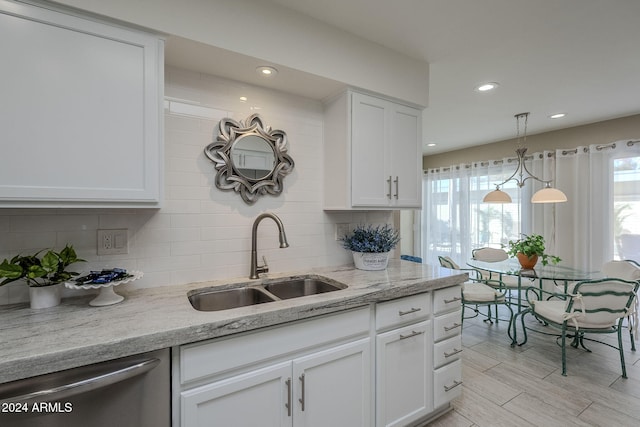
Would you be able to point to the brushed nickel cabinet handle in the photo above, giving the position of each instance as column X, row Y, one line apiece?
column 451, row 387
column 455, row 325
column 301, row 400
column 288, row 404
column 396, row 182
column 389, row 193
column 449, row 301
column 453, row 353
column 412, row 310
column 412, row 334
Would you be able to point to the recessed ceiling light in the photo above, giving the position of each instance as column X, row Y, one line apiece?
column 557, row 116
column 243, row 98
column 267, row 71
column 431, row 144
column 487, row 86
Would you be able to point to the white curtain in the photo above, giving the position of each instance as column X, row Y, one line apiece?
column 585, row 222
column 455, row 221
column 580, row 231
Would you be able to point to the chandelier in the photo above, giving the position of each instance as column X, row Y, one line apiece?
column 546, row 195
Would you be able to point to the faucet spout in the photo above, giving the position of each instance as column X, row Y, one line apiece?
column 255, row 268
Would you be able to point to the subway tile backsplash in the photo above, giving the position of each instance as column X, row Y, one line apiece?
column 202, row 233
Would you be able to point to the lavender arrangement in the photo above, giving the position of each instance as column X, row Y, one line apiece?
column 371, row 239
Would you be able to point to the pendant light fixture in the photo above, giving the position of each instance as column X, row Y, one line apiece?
column 546, row 195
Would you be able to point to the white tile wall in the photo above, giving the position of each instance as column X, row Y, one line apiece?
column 202, row 233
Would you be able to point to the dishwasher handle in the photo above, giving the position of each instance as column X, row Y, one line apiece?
column 81, row 383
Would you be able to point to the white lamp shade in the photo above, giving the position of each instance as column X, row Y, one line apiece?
column 497, row 196
column 549, row 195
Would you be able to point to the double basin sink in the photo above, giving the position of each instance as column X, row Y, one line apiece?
column 212, row 299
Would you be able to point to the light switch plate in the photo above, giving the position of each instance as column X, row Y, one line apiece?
column 113, row 242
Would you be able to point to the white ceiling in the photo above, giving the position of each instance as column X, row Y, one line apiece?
column 580, row 57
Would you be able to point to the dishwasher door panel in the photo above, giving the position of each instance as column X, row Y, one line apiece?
column 130, row 392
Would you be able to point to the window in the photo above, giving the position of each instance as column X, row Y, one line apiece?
column 456, row 221
column 626, row 208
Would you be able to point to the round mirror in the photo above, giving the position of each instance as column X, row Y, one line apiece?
column 253, row 157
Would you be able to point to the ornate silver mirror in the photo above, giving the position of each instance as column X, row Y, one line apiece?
column 250, row 158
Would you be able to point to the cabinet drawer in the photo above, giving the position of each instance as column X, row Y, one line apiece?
column 447, row 351
column 447, row 383
column 403, row 310
column 447, row 325
column 447, row 299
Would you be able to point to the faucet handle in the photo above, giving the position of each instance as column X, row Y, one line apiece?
column 265, row 267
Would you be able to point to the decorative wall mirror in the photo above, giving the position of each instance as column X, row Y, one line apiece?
column 251, row 158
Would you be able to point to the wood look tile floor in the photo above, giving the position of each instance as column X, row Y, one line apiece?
column 524, row 386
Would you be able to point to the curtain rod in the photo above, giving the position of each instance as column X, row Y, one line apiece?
column 612, row 145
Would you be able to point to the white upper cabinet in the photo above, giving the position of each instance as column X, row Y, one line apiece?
column 80, row 111
column 373, row 154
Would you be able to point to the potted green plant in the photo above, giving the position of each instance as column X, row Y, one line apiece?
column 42, row 272
column 528, row 249
column 371, row 245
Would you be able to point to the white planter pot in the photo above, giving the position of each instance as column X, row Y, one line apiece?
column 371, row 260
column 44, row 296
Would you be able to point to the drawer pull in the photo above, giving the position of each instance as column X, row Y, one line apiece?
column 449, row 301
column 453, row 353
column 412, row 334
column 455, row 325
column 404, row 313
column 451, row 387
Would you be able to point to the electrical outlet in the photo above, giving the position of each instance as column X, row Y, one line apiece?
column 113, row 242
column 341, row 230
column 107, row 241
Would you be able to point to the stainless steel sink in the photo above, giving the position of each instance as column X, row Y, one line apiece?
column 300, row 287
column 229, row 298
column 252, row 293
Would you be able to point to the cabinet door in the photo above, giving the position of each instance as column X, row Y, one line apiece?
column 406, row 158
column 369, row 130
column 404, row 375
column 80, row 111
column 333, row 387
column 257, row 398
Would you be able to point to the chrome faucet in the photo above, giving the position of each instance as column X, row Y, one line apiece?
column 255, row 268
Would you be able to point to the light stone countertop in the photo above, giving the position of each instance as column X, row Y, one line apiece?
column 35, row 342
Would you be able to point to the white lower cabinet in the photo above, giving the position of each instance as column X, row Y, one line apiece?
column 327, row 388
column 403, row 374
column 276, row 378
column 321, row 372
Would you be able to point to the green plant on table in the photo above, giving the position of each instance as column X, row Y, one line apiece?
column 530, row 245
column 40, row 270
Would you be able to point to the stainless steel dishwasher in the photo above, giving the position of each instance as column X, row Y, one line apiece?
column 130, row 392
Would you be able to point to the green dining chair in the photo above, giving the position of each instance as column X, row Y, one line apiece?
column 594, row 307
column 477, row 293
column 626, row 270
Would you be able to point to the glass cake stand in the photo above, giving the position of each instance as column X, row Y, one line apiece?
column 107, row 295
